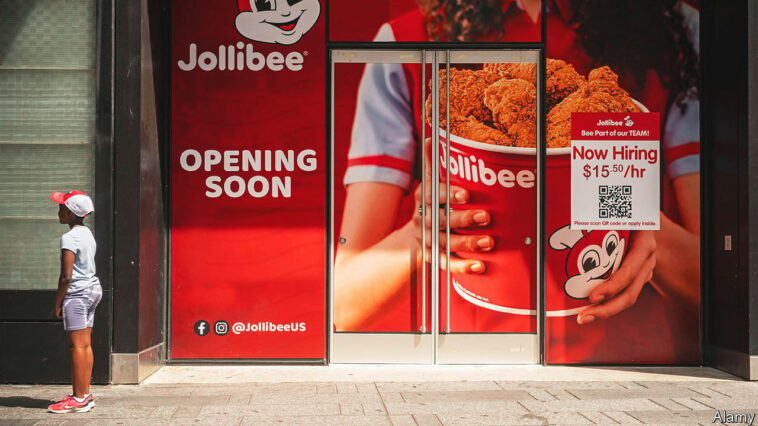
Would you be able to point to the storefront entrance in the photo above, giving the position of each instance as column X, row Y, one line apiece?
column 400, row 293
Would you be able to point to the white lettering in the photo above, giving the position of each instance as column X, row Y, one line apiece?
column 214, row 190
column 240, row 186
column 306, row 160
column 230, row 161
column 207, row 61
column 197, row 161
column 189, row 66
column 212, row 157
column 274, row 61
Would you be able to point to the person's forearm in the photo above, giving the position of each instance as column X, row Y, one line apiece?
column 677, row 271
column 369, row 281
column 63, row 283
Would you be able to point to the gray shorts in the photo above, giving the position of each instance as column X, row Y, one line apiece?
column 79, row 308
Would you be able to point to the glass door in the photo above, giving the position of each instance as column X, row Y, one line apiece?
column 434, row 207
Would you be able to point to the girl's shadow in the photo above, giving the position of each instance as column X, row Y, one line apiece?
column 23, row 402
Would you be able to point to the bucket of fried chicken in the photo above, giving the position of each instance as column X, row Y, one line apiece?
column 493, row 155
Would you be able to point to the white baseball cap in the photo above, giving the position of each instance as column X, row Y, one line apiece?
column 78, row 202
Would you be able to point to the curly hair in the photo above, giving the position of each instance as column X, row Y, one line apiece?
column 462, row 20
column 629, row 35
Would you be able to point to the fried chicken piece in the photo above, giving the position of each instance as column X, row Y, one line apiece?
column 466, row 94
column 525, row 71
column 514, row 110
column 603, row 79
column 470, row 128
column 601, row 94
column 561, row 78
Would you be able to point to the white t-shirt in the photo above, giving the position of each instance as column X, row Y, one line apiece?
column 81, row 242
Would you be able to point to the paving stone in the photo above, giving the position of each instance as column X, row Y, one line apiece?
column 427, row 420
column 271, row 409
column 316, row 420
column 693, row 404
column 624, row 418
column 552, row 418
column 745, row 402
column 374, row 408
column 558, row 385
column 676, row 392
column 592, row 405
column 205, row 420
column 49, row 422
column 240, row 399
column 392, row 397
column 734, row 389
column 157, row 401
column 164, row 412
column 181, row 391
column 565, row 395
column 187, row 412
column 669, row 404
column 351, row 409
column 326, row 389
column 23, row 401
column 346, row 388
column 463, row 396
column 436, row 386
column 541, row 395
column 469, row 407
column 263, row 398
column 366, row 388
column 707, row 392
column 402, row 403
column 274, row 389
column 403, row 420
column 632, row 385
column 598, row 417
column 15, row 390
column 675, row 417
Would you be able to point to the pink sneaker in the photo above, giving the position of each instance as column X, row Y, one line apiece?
column 70, row 405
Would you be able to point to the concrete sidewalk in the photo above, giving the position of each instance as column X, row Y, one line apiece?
column 401, row 395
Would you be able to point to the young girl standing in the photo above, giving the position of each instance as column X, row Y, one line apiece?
column 79, row 292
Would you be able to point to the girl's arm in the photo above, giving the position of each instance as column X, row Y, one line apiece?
column 67, row 267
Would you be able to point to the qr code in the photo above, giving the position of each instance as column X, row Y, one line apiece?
column 615, row 201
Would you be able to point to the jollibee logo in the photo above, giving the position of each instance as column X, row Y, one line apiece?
column 593, row 257
column 276, row 21
column 473, row 169
column 282, row 22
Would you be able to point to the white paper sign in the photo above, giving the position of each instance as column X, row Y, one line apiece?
column 615, row 171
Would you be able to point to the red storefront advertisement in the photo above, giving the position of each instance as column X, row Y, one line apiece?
column 248, row 172
column 249, row 180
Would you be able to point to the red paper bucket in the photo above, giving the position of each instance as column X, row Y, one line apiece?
column 502, row 180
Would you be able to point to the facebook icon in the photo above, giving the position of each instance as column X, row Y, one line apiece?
column 201, row 328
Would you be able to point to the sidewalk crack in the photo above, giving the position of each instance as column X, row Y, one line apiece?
column 718, row 392
column 612, row 419
column 588, row 419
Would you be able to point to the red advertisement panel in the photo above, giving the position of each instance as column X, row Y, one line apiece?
column 597, row 63
column 248, row 173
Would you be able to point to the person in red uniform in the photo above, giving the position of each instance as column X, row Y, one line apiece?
column 653, row 46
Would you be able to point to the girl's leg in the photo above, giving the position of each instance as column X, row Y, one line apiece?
column 81, row 361
column 90, row 360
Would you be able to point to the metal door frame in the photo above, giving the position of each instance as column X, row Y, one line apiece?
column 435, row 347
